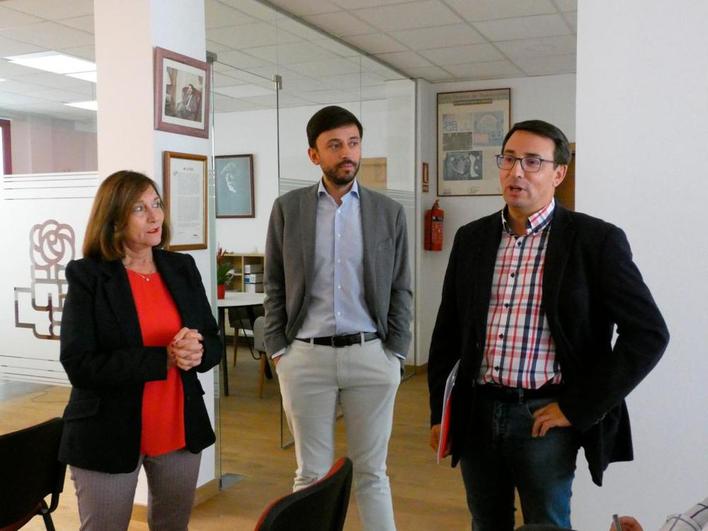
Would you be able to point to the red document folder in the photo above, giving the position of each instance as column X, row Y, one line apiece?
column 444, row 441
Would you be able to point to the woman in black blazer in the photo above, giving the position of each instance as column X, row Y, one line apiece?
column 136, row 329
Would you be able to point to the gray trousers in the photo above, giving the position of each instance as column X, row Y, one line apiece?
column 364, row 379
column 106, row 500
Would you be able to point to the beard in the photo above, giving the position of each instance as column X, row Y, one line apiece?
column 340, row 176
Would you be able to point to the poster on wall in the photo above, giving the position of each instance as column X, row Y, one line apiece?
column 471, row 128
column 234, row 186
column 185, row 186
column 181, row 94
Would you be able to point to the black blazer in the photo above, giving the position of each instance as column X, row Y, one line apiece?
column 590, row 285
column 107, row 364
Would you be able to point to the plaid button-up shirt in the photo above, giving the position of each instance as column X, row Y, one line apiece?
column 519, row 350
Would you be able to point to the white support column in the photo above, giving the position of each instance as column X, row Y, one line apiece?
column 126, row 32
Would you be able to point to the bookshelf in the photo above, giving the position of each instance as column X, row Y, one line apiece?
column 249, row 271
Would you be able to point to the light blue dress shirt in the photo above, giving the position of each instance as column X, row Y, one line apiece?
column 337, row 304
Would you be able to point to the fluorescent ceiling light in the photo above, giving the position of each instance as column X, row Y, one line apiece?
column 88, row 105
column 86, row 76
column 52, row 61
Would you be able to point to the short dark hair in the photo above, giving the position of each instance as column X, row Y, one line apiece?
column 329, row 118
column 561, row 153
column 111, row 209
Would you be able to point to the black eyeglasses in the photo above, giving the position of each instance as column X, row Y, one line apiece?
column 529, row 164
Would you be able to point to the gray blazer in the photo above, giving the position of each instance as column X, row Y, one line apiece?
column 290, row 251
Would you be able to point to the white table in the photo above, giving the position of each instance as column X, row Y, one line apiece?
column 235, row 299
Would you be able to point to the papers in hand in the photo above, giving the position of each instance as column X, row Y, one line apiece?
column 444, row 440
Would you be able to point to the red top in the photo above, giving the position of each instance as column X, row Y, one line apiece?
column 163, row 400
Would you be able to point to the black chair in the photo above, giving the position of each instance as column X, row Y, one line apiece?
column 321, row 506
column 241, row 319
column 30, row 472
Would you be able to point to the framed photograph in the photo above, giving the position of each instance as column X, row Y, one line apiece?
column 234, row 186
column 185, row 196
column 181, row 94
column 471, row 128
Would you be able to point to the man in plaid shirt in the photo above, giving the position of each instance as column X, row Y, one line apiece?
column 531, row 298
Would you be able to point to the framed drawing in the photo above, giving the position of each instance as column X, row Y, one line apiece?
column 181, row 94
column 185, row 196
column 234, row 186
column 471, row 128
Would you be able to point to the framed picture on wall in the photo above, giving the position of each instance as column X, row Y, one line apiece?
column 234, row 186
column 471, row 128
column 181, row 94
column 185, row 196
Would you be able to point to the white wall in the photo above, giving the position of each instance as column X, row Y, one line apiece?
column 551, row 98
column 642, row 105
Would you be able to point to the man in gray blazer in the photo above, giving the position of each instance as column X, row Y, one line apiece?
column 338, row 308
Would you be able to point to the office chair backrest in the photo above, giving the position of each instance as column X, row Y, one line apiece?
column 30, row 472
column 321, row 506
column 259, row 334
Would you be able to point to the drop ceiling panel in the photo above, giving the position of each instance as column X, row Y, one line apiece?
column 303, row 8
column 47, row 79
column 567, row 5
column 358, row 4
column 336, row 47
column 80, row 23
column 563, row 44
column 254, row 9
column 218, row 15
column 251, row 35
column 340, row 23
column 571, row 19
column 293, row 53
column 376, row 43
column 9, row 47
column 495, row 9
column 49, row 35
column 523, row 27
column 409, row 15
column 462, row 54
column 550, row 64
column 492, row 70
column 434, row 74
column 84, row 52
column 325, row 69
column 438, row 37
column 234, row 58
column 11, row 17
column 54, row 10
column 404, row 60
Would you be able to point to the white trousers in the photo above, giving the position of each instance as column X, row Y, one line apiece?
column 365, row 378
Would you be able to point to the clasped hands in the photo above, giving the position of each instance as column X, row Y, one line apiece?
column 185, row 350
column 545, row 418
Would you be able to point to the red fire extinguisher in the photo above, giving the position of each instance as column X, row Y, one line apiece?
column 434, row 219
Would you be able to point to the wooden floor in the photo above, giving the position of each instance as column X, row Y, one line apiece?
column 426, row 496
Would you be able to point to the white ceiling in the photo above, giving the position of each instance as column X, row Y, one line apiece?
column 437, row 40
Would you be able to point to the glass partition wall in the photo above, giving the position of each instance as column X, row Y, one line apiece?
column 271, row 74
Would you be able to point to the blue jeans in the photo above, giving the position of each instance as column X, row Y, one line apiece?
column 502, row 456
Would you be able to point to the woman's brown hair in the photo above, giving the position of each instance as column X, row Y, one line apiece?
column 111, row 209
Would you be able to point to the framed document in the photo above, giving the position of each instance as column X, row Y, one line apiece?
column 234, row 186
column 471, row 129
column 181, row 94
column 185, row 195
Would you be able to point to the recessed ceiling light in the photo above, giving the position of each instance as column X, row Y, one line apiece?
column 88, row 105
column 52, row 61
column 86, row 76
